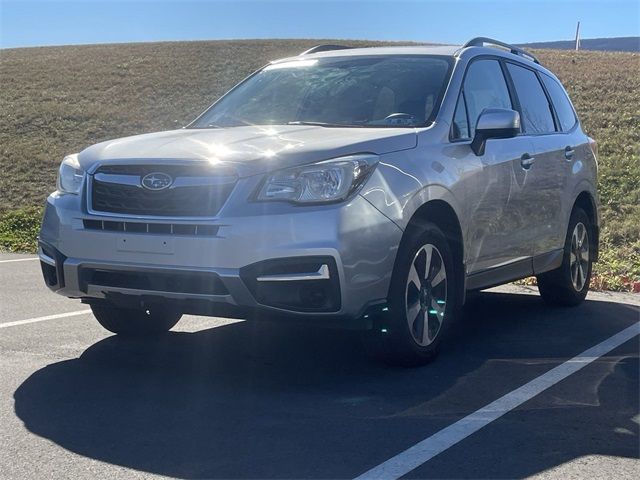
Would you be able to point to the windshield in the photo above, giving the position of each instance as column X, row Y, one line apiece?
column 375, row 91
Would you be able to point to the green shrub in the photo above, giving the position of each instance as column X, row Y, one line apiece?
column 19, row 229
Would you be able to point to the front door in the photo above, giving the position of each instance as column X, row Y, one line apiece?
column 498, row 225
column 493, row 190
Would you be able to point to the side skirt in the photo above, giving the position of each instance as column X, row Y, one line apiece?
column 500, row 275
column 515, row 270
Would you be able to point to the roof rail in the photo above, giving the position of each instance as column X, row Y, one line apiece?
column 325, row 48
column 480, row 42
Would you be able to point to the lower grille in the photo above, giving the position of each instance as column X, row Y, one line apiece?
column 202, row 283
column 195, row 191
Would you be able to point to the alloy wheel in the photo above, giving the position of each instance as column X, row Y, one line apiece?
column 579, row 256
column 426, row 295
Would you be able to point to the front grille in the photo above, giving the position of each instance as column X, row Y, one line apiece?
column 197, row 191
column 157, row 228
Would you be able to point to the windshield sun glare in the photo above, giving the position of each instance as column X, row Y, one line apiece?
column 350, row 91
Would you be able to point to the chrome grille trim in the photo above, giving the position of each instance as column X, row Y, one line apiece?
column 180, row 182
column 130, row 180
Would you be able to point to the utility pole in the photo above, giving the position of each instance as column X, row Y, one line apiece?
column 578, row 37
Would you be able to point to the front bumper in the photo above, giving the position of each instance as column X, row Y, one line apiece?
column 353, row 244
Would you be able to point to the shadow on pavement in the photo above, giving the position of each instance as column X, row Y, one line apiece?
column 266, row 401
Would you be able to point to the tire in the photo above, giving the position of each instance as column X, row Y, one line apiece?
column 568, row 284
column 134, row 322
column 403, row 337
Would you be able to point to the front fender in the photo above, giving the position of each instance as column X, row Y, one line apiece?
column 398, row 194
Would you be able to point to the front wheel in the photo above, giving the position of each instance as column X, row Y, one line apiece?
column 568, row 284
column 131, row 321
column 423, row 300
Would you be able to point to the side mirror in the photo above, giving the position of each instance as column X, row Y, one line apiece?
column 495, row 123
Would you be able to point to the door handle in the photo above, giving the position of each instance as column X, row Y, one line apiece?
column 568, row 153
column 526, row 161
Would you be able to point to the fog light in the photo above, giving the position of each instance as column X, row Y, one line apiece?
column 313, row 296
column 302, row 284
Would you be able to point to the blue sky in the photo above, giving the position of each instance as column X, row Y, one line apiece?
column 50, row 22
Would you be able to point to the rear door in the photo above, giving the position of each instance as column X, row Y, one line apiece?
column 544, row 178
column 570, row 146
column 496, row 235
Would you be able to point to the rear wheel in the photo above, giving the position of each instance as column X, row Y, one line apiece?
column 130, row 321
column 422, row 300
column 568, row 285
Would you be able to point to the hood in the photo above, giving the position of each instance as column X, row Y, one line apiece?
column 251, row 149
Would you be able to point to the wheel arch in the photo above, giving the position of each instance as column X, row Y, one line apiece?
column 442, row 214
column 587, row 202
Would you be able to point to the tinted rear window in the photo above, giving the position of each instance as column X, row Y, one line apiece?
column 563, row 107
column 535, row 109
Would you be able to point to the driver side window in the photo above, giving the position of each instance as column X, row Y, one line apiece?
column 460, row 125
column 484, row 87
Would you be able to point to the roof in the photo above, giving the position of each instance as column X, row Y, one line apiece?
column 447, row 50
column 444, row 50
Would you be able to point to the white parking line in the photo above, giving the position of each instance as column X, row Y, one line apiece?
column 19, row 260
column 428, row 448
column 42, row 319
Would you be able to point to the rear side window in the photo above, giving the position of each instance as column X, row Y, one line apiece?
column 563, row 107
column 484, row 87
column 535, row 109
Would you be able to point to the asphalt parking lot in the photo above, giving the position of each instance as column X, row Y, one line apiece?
column 229, row 399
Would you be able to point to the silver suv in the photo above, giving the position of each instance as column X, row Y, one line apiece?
column 365, row 188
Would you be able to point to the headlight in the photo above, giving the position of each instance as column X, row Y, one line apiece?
column 329, row 181
column 70, row 175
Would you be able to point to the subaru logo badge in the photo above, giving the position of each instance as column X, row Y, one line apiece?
column 156, row 181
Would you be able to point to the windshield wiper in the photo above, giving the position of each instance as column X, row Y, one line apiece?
column 204, row 127
column 322, row 124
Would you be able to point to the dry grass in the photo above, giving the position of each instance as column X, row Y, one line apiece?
column 57, row 100
column 605, row 89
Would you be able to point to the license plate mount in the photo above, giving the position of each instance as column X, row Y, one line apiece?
column 144, row 244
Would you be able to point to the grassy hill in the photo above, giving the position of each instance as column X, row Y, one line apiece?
column 59, row 100
column 615, row 44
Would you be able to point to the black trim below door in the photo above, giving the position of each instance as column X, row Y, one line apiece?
column 500, row 275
